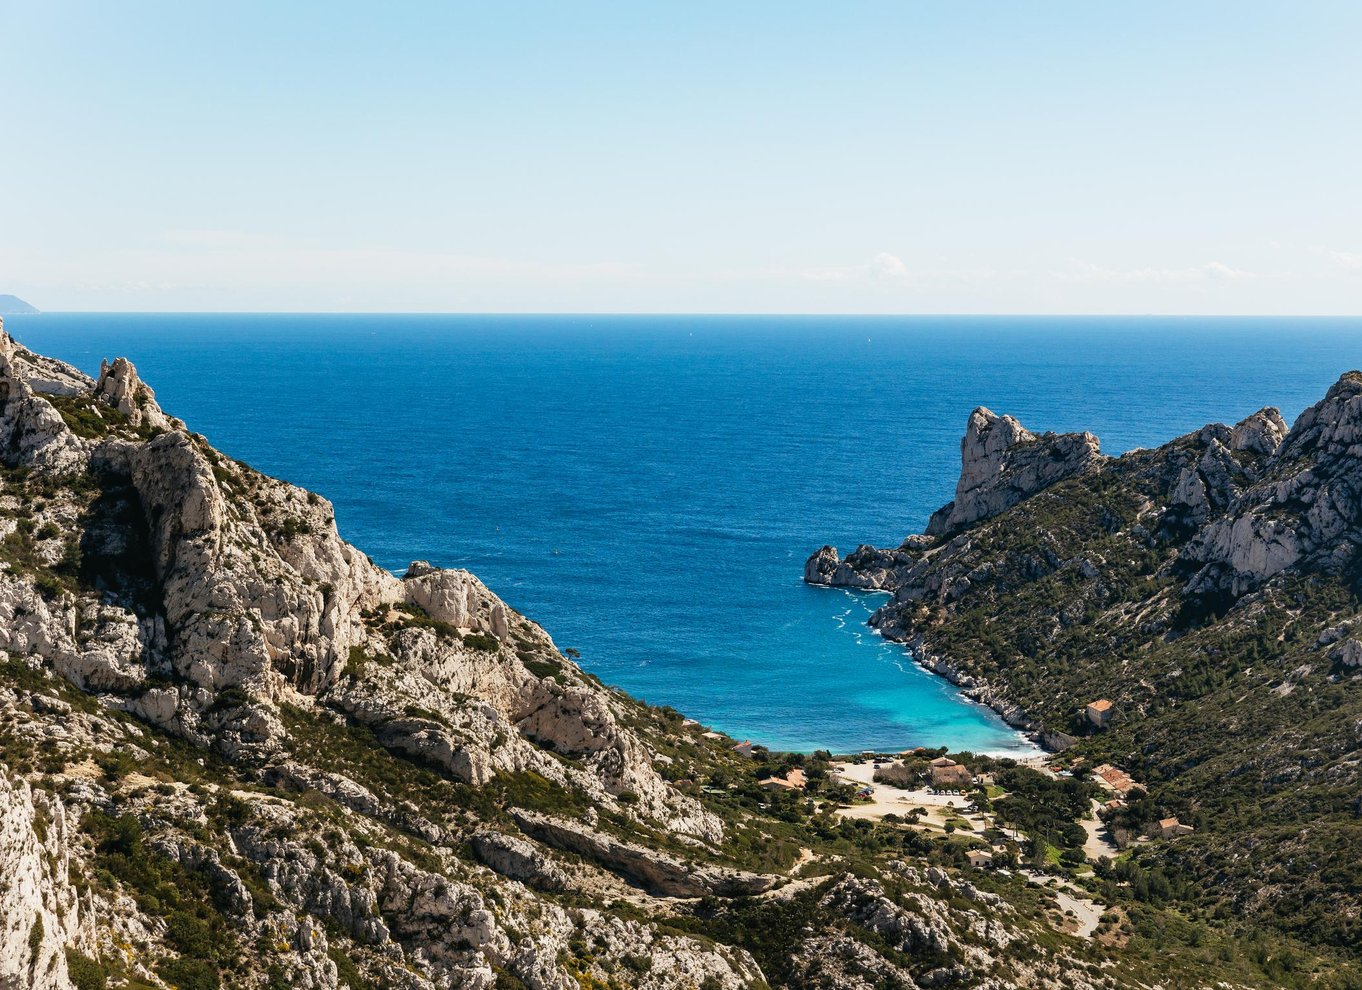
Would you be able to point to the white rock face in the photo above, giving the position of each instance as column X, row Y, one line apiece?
column 456, row 597
column 1307, row 507
column 40, row 913
column 1348, row 653
column 1261, row 433
column 1002, row 463
column 32, row 427
column 121, row 388
column 43, row 374
column 658, row 872
column 1233, row 460
column 1250, row 548
column 518, row 859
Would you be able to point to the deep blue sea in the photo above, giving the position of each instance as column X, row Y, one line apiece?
column 649, row 487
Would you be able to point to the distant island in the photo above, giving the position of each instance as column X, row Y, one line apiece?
column 14, row 306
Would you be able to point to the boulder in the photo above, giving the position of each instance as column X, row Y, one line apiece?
column 518, row 859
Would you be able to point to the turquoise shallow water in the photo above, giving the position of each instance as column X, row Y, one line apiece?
column 649, row 487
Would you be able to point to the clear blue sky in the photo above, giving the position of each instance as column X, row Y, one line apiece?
column 1178, row 157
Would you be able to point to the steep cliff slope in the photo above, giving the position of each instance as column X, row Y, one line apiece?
column 1208, row 589
column 235, row 752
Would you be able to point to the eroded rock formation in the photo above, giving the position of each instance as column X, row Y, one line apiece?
column 1002, row 463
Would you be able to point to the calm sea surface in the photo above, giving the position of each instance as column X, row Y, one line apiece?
column 649, row 487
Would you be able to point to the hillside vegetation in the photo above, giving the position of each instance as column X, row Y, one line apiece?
column 1209, row 589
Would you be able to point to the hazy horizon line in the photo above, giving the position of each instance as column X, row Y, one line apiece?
column 773, row 314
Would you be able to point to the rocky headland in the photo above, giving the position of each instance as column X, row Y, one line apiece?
column 1206, row 595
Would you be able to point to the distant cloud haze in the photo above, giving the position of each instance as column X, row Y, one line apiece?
column 883, row 266
column 1211, row 271
column 886, row 265
column 1347, row 260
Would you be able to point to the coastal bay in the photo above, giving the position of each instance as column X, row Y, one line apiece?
column 649, row 488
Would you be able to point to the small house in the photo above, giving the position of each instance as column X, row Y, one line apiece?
column 792, row 781
column 979, row 858
column 1099, row 713
column 1167, row 828
column 744, row 748
column 1116, row 780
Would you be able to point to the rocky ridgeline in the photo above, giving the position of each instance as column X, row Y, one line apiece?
column 1244, row 503
column 236, row 752
column 236, row 589
column 1238, row 505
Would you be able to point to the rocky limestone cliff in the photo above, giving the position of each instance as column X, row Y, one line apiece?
column 40, row 911
column 246, row 587
column 1303, row 510
column 1233, row 499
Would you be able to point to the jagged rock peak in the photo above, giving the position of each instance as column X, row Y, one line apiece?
column 1261, row 433
column 1002, row 463
column 120, row 386
column 1331, row 426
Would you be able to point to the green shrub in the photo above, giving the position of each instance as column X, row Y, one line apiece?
column 356, row 663
column 543, row 669
column 189, row 974
column 484, row 642
column 85, row 973
column 347, row 973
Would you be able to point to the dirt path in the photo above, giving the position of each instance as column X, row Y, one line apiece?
column 1087, row 914
column 1098, row 843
